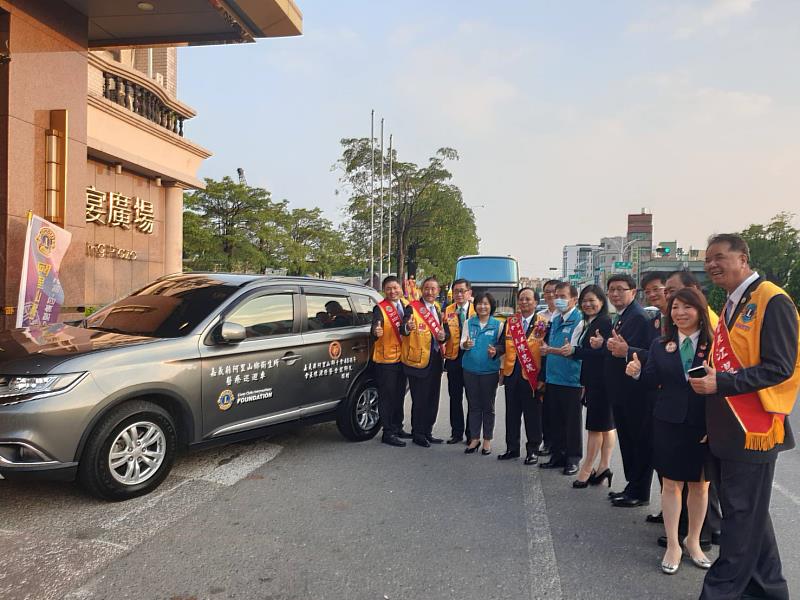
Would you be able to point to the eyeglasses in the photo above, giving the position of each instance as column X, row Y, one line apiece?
column 618, row 290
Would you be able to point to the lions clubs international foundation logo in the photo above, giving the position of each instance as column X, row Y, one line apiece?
column 225, row 400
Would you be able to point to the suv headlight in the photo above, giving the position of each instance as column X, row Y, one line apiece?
column 12, row 386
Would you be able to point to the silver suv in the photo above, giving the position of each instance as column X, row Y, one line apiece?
column 188, row 360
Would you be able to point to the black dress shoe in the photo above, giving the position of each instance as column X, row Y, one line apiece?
column 393, row 440
column 705, row 545
column 455, row 440
column 421, row 441
column 628, row 502
column 543, row 451
column 508, row 455
column 552, row 464
column 531, row 459
column 434, row 440
column 659, row 518
column 615, row 495
column 404, row 435
column 570, row 469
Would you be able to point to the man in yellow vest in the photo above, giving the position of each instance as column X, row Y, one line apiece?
column 521, row 402
column 454, row 316
column 424, row 335
column 387, row 319
column 750, row 391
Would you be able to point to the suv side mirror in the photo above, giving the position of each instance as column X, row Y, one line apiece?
column 231, row 333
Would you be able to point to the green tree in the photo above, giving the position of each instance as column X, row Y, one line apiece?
column 775, row 252
column 429, row 221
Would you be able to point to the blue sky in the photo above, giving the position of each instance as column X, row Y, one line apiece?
column 566, row 115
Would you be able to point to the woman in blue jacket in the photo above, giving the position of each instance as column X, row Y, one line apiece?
column 481, row 342
column 679, row 422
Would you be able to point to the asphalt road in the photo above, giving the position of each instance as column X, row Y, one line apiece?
column 308, row 515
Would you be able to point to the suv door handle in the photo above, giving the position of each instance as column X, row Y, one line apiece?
column 359, row 347
column 291, row 357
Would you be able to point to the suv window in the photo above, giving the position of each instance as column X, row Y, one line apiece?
column 364, row 306
column 265, row 315
column 328, row 312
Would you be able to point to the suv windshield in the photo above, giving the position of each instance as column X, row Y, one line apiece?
column 163, row 309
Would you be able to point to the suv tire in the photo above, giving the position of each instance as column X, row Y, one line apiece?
column 357, row 416
column 129, row 452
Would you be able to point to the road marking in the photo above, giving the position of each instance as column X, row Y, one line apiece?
column 545, row 581
column 792, row 497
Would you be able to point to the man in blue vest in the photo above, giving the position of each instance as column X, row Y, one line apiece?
column 564, row 385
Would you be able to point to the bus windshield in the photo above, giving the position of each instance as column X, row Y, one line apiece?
column 494, row 269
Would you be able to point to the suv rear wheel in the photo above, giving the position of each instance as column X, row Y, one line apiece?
column 358, row 418
column 130, row 451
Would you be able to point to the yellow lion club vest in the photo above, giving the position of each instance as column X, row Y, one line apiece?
column 387, row 348
column 510, row 356
column 416, row 351
column 451, row 346
column 745, row 336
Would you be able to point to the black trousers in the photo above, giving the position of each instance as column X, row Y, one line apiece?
column 547, row 416
column 425, row 393
column 749, row 562
column 566, row 436
column 521, row 404
column 455, row 389
column 481, row 392
column 634, row 419
column 392, row 390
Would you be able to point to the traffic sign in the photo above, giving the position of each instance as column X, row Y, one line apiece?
column 622, row 265
column 575, row 277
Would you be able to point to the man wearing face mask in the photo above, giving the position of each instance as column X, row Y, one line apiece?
column 564, row 385
column 424, row 335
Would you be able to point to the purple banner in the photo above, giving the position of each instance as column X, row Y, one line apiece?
column 40, row 292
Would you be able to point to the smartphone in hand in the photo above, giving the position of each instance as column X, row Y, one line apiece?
column 697, row 372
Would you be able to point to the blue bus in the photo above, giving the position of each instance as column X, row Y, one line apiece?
column 498, row 275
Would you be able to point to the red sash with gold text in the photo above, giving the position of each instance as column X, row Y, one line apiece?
column 430, row 321
column 517, row 332
column 762, row 429
column 394, row 318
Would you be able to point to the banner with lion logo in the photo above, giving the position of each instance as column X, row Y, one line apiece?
column 40, row 292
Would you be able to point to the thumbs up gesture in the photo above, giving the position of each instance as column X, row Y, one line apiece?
column 378, row 330
column 597, row 340
column 566, row 349
column 633, row 368
column 617, row 345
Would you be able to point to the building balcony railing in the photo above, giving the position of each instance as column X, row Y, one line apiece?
column 139, row 99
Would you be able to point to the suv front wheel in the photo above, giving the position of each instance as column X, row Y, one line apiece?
column 358, row 418
column 130, row 451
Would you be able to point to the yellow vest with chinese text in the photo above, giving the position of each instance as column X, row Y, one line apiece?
column 452, row 345
column 387, row 348
column 510, row 356
column 745, row 336
column 416, row 351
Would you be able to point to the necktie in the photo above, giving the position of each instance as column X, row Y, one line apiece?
column 687, row 354
column 615, row 318
column 525, row 324
column 461, row 316
column 729, row 310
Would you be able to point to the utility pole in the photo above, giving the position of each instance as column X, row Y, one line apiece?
column 372, row 200
column 381, row 227
column 389, row 270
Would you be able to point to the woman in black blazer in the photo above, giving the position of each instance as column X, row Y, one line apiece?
column 601, row 435
column 679, row 426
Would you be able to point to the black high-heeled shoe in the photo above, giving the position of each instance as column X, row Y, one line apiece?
column 471, row 450
column 486, row 451
column 598, row 479
column 579, row 485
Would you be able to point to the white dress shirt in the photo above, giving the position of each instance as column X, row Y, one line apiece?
column 736, row 295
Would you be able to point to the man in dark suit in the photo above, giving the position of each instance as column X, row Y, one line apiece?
column 455, row 316
column 755, row 362
column 631, row 404
column 422, row 362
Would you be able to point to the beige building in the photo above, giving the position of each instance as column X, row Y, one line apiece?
column 95, row 137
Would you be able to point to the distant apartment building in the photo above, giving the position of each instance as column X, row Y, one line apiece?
column 640, row 238
column 579, row 263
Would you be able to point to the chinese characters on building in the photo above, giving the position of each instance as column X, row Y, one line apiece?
column 115, row 210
